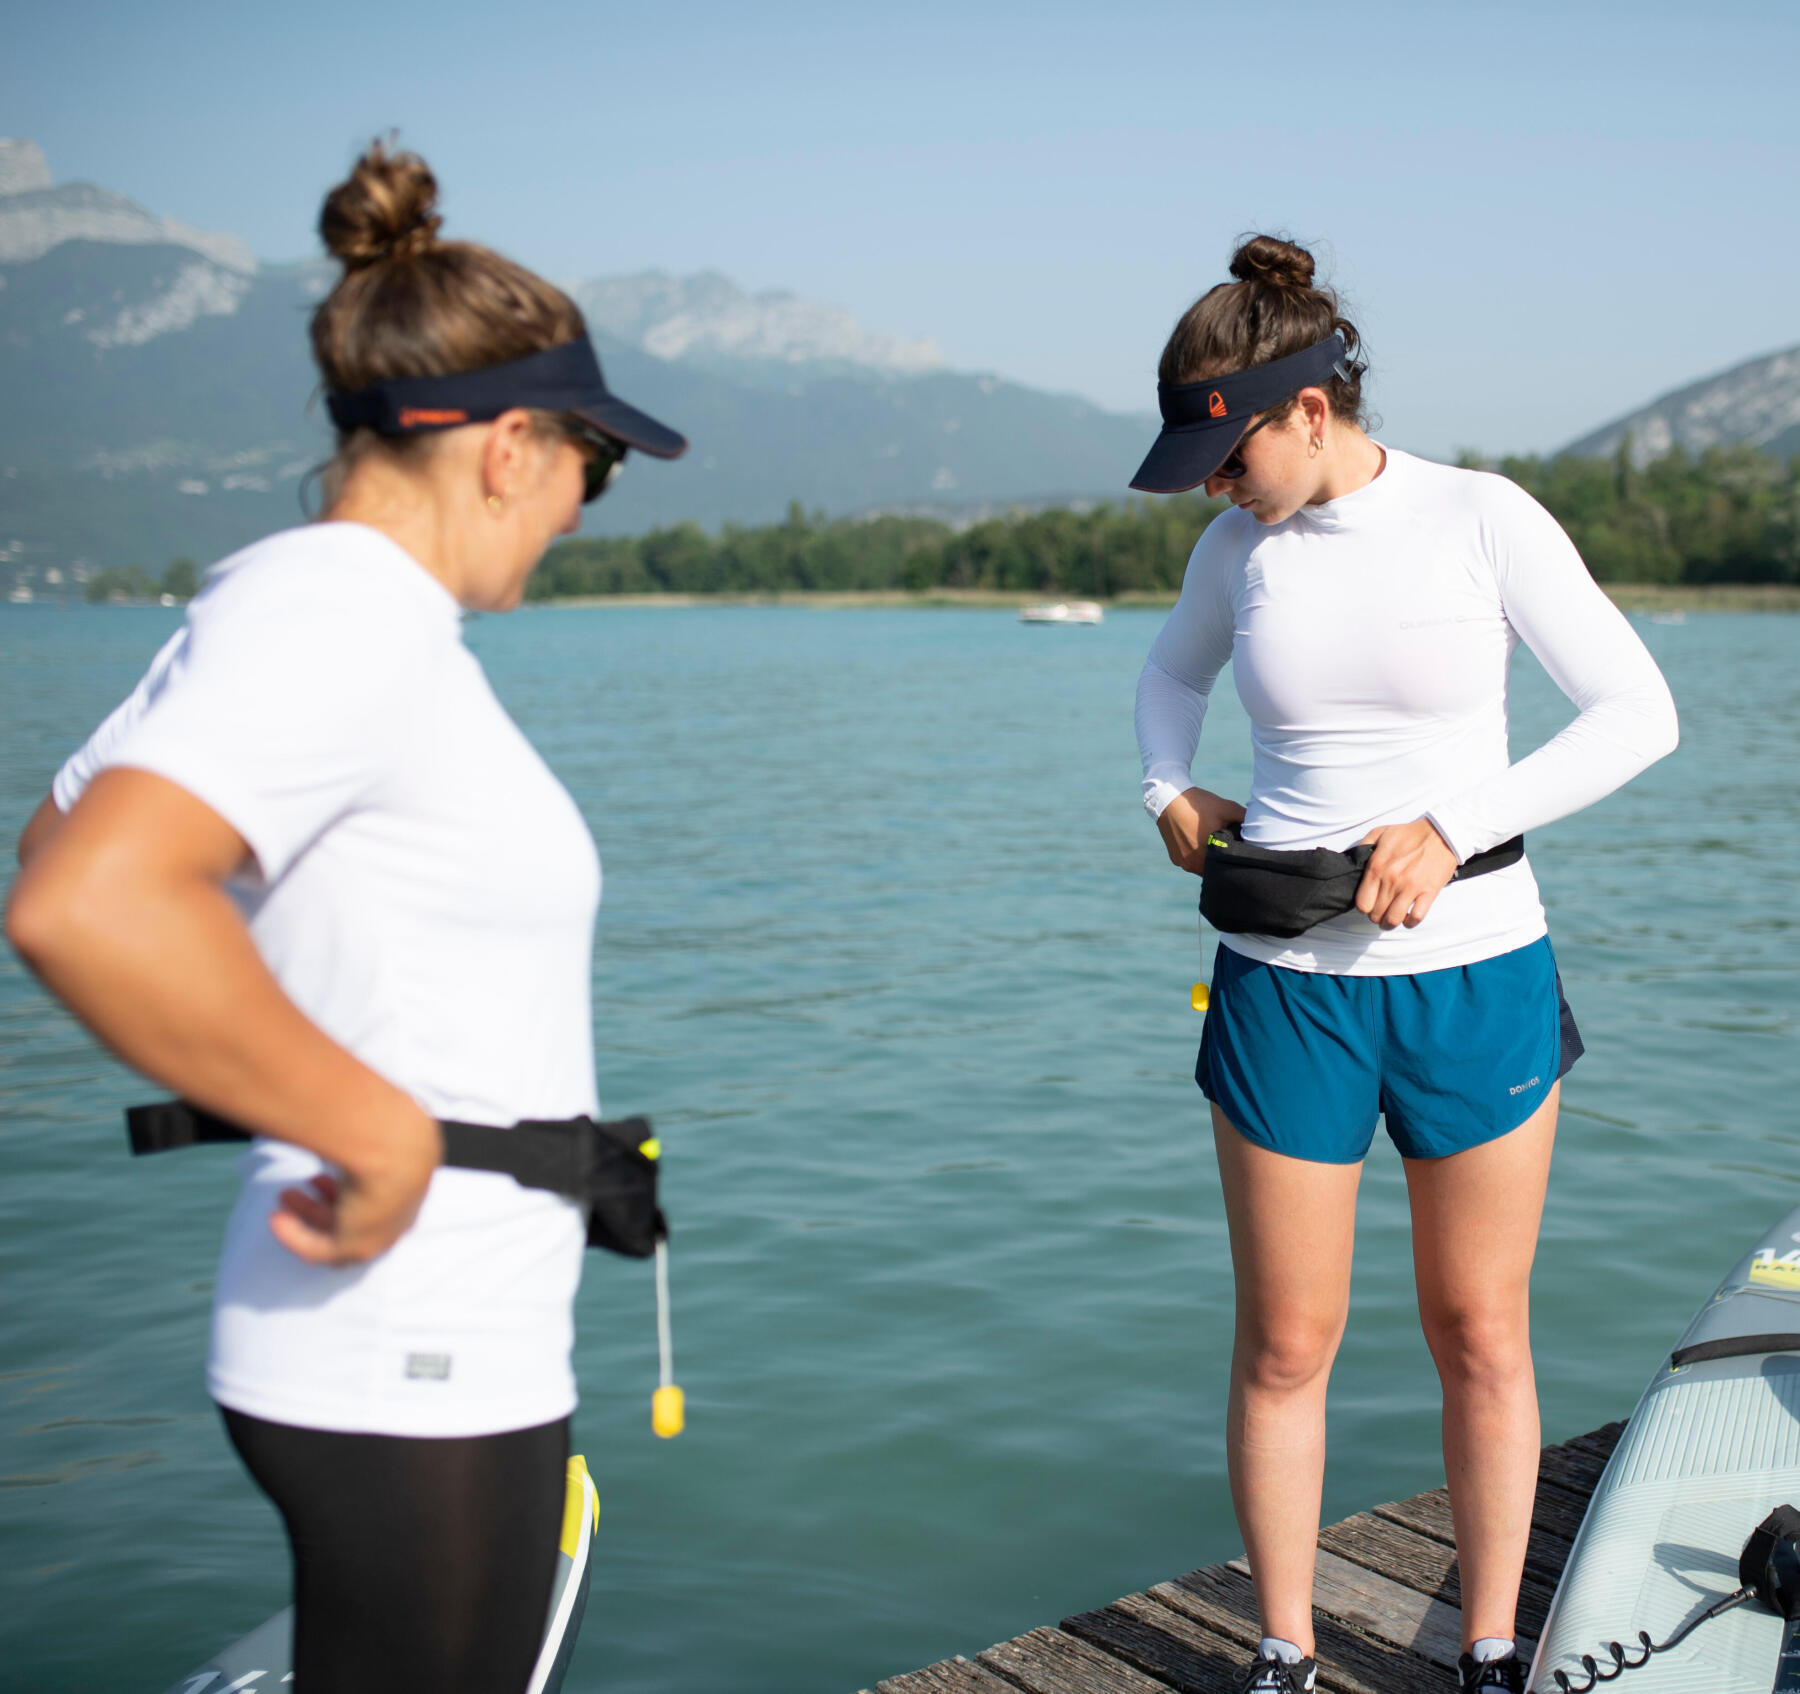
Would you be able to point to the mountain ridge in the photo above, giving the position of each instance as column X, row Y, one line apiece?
column 1753, row 404
column 175, row 404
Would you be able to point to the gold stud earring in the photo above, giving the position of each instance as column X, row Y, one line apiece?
column 494, row 502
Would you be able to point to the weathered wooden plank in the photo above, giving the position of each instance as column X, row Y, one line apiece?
column 947, row 1676
column 1174, row 1649
column 1387, row 1597
column 1555, row 1516
column 1381, row 1607
column 1349, row 1662
column 1046, row 1661
column 1422, row 1562
column 1572, row 1467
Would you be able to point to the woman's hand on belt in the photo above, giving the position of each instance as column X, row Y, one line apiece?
column 1409, row 868
column 351, row 1216
column 1188, row 819
column 122, row 913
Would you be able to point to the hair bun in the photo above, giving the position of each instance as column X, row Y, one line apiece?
column 384, row 209
column 1269, row 259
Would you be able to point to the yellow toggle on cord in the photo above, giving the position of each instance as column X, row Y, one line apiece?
column 668, row 1407
column 1199, row 999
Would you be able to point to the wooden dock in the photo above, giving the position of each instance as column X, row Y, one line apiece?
column 1387, row 1608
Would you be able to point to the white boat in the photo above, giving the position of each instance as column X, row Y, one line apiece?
column 1063, row 611
column 1712, row 1448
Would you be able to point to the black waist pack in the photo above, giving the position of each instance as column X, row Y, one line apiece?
column 1251, row 890
column 609, row 1167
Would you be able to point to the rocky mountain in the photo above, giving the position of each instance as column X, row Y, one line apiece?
column 1754, row 404
column 163, row 402
column 708, row 321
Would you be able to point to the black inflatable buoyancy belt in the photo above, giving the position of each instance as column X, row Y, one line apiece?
column 1250, row 890
column 610, row 1167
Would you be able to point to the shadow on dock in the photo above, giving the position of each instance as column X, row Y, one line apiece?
column 1386, row 1598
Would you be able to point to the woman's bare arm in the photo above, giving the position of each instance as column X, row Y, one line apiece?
column 42, row 826
column 121, row 911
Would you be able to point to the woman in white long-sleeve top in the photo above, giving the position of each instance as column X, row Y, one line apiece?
column 1369, row 603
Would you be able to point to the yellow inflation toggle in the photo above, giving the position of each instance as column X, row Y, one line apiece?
column 1199, row 999
column 668, row 1411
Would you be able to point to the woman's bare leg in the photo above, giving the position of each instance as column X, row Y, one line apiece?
column 1475, row 1219
column 1293, row 1227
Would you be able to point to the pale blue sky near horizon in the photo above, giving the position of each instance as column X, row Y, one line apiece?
column 1541, row 215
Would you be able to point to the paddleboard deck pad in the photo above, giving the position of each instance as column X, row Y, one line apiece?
column 1712, row 1448
column 262, row 1661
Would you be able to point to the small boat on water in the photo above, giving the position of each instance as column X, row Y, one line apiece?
column 1712, row 1449
column 1063, row 611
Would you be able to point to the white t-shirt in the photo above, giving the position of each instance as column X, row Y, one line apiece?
column 1370, row 639
column 425, row 892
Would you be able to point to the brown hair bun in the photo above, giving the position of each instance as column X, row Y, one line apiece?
column 1269, row 259
column 1271, row 310
column 409, row 304
column 385, row 208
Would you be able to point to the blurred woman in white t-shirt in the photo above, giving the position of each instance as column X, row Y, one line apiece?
column 312, row 877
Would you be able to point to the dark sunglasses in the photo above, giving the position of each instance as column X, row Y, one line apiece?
column 1233, row 466
column 602, row 457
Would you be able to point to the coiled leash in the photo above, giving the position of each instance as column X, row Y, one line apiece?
column 609, row 1167
column 1768, row 1567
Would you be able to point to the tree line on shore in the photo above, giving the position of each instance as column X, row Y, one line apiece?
column 1729, row 515
column 181, row 581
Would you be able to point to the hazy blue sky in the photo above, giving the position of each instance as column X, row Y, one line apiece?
column 1542, row 214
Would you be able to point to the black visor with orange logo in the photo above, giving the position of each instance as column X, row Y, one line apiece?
column 1203, row 421
column 559, row 379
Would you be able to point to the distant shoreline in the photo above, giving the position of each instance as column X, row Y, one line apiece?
column 1629, row 597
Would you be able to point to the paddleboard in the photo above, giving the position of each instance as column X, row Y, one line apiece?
column 263, row 1660
column 1712, row 1448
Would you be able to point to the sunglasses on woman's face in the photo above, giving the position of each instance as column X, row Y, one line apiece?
column 1233, row 466
column 602, row 458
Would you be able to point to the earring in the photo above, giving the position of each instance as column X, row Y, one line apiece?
column 494, row 503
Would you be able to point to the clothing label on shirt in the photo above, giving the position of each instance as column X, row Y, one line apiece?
column 428, row 1367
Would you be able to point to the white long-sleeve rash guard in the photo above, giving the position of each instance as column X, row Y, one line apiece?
column 1370, row 639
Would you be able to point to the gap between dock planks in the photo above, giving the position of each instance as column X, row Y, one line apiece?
column 1386, row 1598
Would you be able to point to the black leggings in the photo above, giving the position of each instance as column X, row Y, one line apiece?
column 418, row 1563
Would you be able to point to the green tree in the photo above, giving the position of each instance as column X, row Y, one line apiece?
column 131, row 583
column 181, row 579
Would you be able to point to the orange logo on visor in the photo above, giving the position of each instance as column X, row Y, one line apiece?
column 416, row 417
column 1215, row 403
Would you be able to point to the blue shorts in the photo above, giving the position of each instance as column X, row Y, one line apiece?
column 1302, row 1062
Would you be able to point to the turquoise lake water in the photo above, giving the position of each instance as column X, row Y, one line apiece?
column 893, row 957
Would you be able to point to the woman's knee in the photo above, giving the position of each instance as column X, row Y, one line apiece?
column 1483, row 1345
column 1286, row 1358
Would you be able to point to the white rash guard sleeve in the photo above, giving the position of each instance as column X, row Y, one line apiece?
column 1185, row 660
column 284, row 718
column 84, row 764
column 1626, row 718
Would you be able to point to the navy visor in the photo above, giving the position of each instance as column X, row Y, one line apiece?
column 1203, row 421
column 559, row 379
